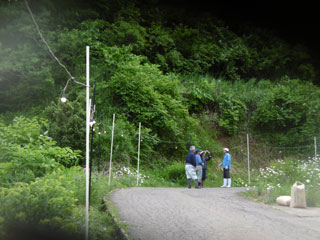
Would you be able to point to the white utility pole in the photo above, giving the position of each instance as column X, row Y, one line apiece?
column 139, row 153
column 248, row 153
column 315, row 148
column 114, row 115
column 87, row 139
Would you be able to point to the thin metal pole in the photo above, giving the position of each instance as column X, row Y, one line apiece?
column 92, row 107
column 99, row 148
column 248, row 153
column 114, row 115
column 139, row 153
column 87, row 140
column 315, row 148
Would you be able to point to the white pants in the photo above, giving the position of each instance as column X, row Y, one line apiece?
column 191, row 172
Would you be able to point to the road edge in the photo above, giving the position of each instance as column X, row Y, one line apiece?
column 111, row 209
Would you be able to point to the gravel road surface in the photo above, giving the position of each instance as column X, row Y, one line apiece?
column 210, row 213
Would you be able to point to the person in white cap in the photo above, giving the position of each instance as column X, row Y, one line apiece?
column 226, row 165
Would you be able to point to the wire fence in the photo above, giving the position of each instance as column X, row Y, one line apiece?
column 261, row 154
column 250, row 151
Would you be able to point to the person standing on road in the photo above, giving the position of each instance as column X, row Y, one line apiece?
column 199, row 164
column 226, row 165
column 191, row 167
column 204, row 168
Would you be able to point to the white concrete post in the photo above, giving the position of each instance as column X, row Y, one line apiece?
column 111, row 148
column 87, row 140
column 139, row 153
column 248, row 153
column 315, row 148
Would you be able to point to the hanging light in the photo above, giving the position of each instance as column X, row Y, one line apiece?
column 63, row 97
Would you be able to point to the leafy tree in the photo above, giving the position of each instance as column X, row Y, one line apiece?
column 287, row 115
column 146, row 95
column 27, row 151
column 67, row 124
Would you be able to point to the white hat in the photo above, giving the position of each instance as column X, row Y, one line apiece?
column 226, row 149
column 192, row 148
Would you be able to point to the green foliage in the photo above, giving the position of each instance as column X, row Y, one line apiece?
column 23, row 68
column 27, row 152
column 273, row 58
column 126, row 41
column 175, row 172
column 44, row 202
column 198, row 93
column 146, row 95
column 288, row 112
column 73, row 179
column 187, row 80
column 55, row 204
column 232, row 114
column 277, row 179
column 67, row 124
column 214, row 97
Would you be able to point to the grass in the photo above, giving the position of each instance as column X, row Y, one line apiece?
column 277, row 180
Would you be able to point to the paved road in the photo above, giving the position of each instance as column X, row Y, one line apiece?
column 210, row 213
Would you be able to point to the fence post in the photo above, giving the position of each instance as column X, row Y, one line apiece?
column 114, row 115
column 138, row 153
column 315, row 148
column 248, row 153
column 88, row 104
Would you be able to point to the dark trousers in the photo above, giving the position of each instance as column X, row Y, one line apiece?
column 226, row 173
column 204, row 174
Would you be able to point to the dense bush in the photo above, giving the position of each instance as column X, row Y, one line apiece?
column 54, row 204
column 43, row 202
column 282, row 113
column 142, row 93
column 175, row 172
column 66, row 124
column 27, row 152
column 287, row 114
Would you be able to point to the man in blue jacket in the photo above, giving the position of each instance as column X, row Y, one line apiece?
column 191, row 167
column 199, row 165
column 226, row 165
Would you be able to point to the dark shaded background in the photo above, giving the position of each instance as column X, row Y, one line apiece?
column 294, row 21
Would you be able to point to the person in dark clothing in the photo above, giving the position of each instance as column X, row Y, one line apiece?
column 191, row 167
column 204, row 168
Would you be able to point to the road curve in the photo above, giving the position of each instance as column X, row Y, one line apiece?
column 210, row 213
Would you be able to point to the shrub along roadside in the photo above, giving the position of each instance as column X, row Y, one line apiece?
column 277, row 179
column 54, row 204
column 27, row 152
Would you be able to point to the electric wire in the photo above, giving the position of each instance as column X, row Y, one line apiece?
column 45, row 42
